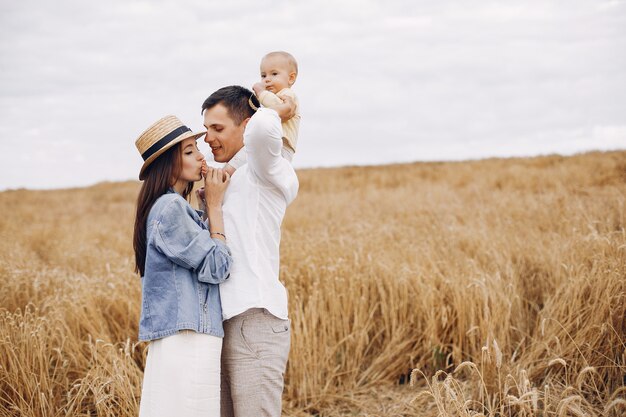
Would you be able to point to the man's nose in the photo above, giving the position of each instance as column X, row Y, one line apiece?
column 208, row 138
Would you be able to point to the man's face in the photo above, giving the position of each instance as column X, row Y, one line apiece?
column 223, row 136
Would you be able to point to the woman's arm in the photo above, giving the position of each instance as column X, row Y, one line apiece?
column 187, row 244
column 215, row 183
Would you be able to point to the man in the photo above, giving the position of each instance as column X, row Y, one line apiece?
column 254, row 302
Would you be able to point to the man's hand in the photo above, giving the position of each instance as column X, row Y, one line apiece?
column 287, row 109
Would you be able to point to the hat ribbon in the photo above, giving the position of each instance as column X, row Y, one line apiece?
column 164, row 141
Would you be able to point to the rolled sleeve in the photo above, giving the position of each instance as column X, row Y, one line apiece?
column 216, row 268
column 269, row 99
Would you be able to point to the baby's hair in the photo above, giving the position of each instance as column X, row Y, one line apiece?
column 290, row 59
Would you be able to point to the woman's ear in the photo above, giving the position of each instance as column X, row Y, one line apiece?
column 172, row 181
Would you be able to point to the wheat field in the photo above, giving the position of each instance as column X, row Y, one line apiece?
column 480, row 288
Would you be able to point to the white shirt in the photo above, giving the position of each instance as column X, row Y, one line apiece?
column 254, row 206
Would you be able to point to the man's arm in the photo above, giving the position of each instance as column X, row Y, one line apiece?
column 285, row 110
column 263, row 140
column 284, row 104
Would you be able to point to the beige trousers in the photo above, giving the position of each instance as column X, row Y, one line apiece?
column 254, row 359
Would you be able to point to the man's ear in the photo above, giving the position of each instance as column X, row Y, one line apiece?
column 245, row 122
column 292, row 78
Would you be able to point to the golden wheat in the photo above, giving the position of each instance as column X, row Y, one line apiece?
column 497, row 285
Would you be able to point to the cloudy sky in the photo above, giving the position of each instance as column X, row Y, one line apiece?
column 380, row 81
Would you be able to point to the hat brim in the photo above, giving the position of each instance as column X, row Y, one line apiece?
column 154, row 156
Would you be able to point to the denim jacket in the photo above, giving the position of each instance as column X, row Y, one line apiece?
column 184, row 266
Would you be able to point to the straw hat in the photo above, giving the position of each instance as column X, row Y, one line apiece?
column 161, row 136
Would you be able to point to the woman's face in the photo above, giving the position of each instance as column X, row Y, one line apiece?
column 191, row 164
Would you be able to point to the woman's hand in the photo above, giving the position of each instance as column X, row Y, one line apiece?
column 215, row 183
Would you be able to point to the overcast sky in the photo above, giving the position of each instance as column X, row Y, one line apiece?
column 380, row 81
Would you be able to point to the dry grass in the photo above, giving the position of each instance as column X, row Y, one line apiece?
column 499, row 286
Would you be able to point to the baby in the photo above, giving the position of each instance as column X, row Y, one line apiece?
column 279, row 71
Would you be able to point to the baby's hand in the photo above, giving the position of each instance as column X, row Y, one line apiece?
column 204, row 169
column 201, row 201
column 258, row 88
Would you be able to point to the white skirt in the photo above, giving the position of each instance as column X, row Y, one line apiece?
column 182, row 376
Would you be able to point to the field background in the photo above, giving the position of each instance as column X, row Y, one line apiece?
column 494, row 287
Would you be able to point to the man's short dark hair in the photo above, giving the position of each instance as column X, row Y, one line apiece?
column 235, row 99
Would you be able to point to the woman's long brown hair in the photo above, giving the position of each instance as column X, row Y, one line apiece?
column 161, row 174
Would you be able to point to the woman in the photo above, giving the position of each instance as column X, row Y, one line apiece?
column 181, row 260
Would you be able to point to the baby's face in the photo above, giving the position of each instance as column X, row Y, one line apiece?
column 276, row 73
